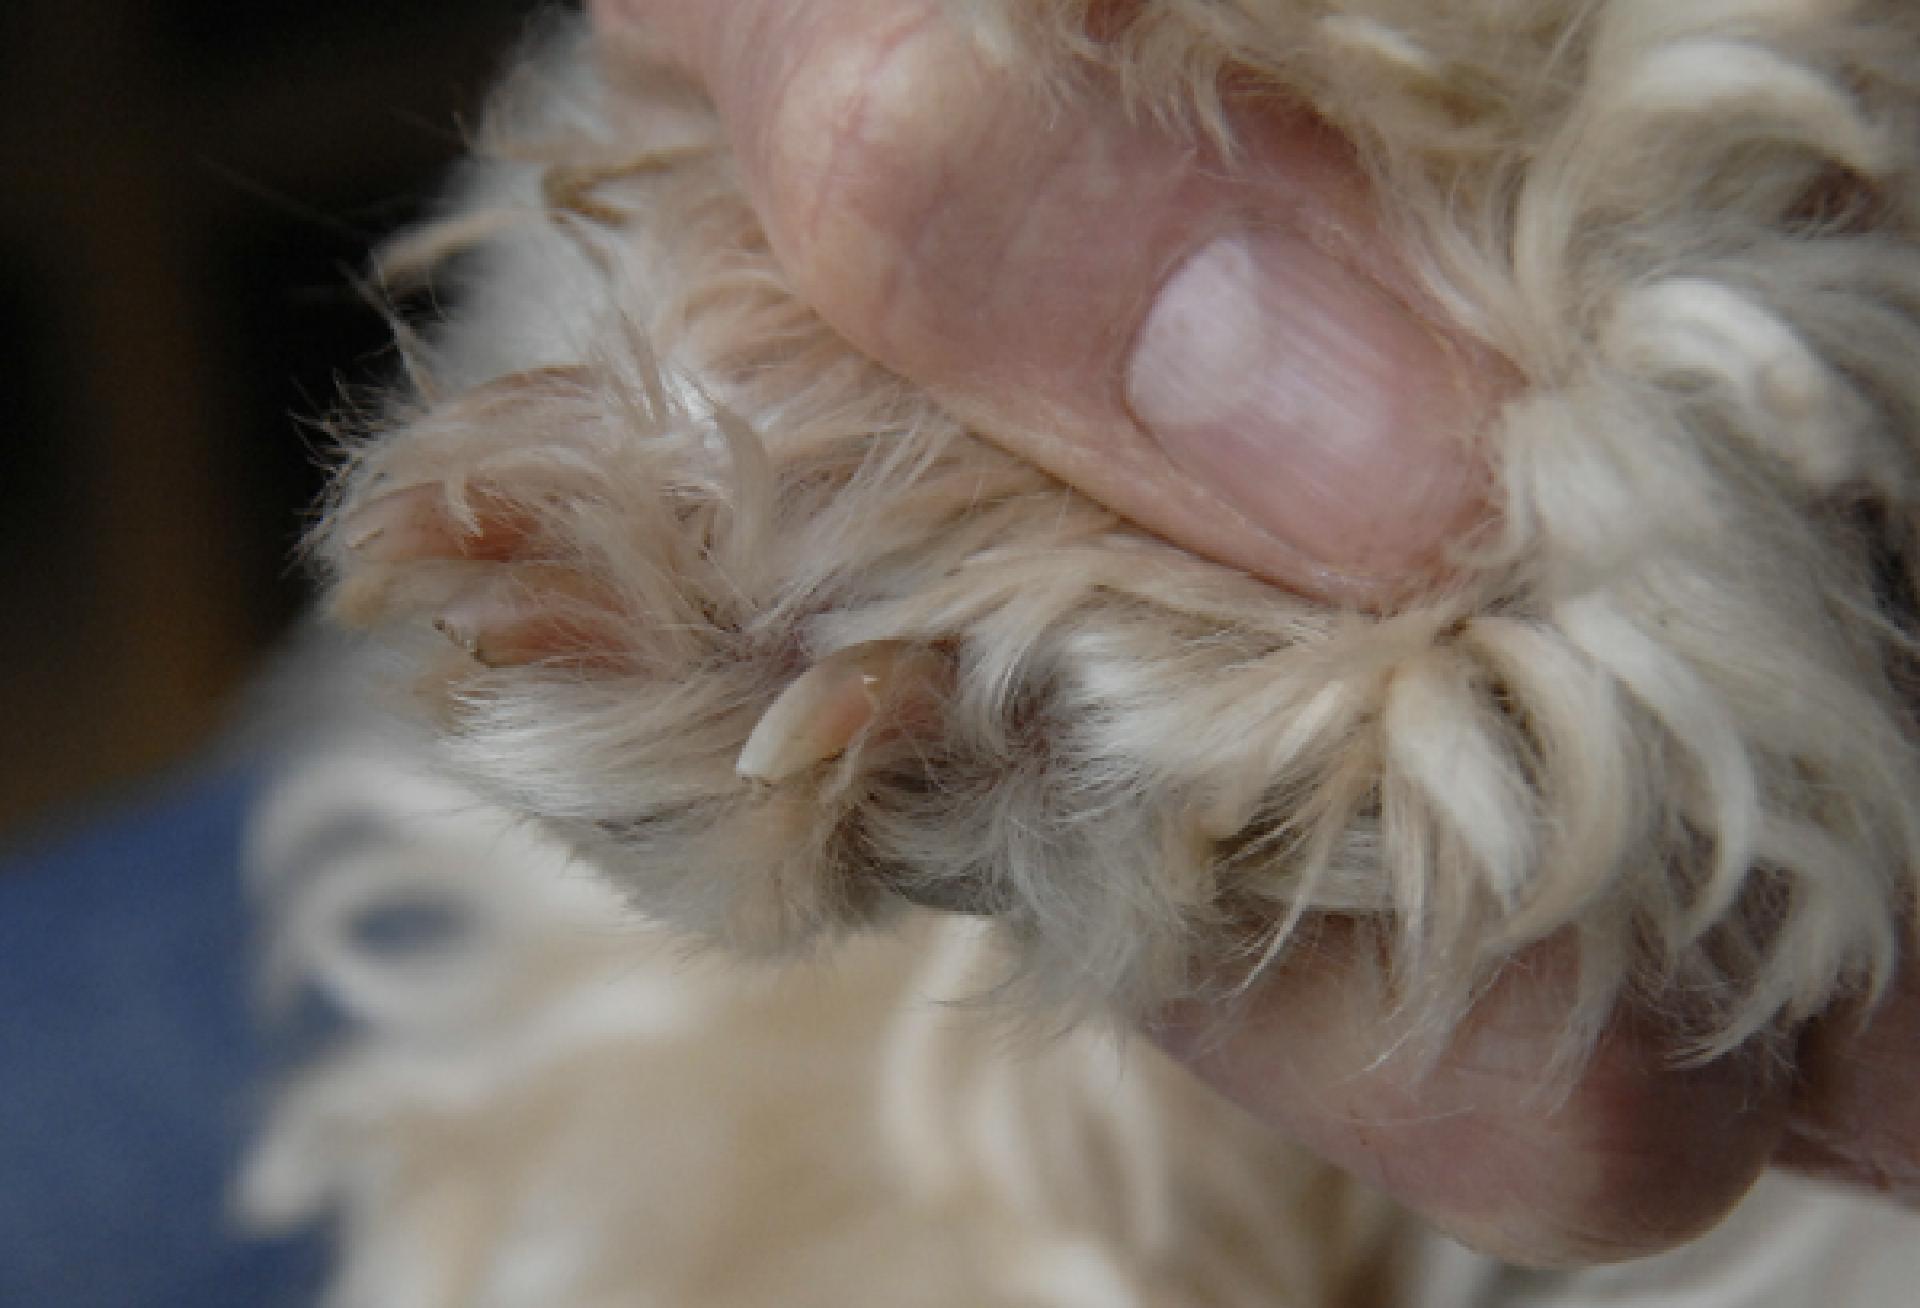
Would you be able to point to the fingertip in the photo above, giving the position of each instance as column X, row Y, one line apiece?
column 1635, row 1156
column 1642, row 1158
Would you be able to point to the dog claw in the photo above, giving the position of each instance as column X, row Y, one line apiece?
column 419, row 522
column 832, row 704
column 537, row 613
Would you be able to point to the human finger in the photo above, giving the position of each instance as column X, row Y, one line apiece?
column 1855, row 1117
column 1230, row 357
column 1631, row 1156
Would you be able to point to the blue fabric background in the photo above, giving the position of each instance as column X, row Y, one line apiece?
column 131, row 1068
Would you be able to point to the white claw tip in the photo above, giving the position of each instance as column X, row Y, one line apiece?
column 832, row 703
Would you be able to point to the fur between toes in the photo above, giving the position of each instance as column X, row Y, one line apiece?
column 1658, row 712
column 772, row 650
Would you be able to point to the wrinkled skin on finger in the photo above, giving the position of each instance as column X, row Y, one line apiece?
column 1229, row 357
column 1639, row 1153
column 1630, row 1156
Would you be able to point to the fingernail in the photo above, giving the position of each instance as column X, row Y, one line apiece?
column 1304, row 396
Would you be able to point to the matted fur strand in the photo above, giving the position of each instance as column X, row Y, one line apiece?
column 1660, row 712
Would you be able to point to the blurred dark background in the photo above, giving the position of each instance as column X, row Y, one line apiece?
column 189, row 186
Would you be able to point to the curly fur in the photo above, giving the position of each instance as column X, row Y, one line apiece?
column 548, row 1103
column 1661, row 711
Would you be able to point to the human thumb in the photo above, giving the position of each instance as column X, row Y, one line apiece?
column 1228, row 356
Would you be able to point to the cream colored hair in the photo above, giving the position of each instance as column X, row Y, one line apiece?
column 547, row 1103
column 1658, row 713
column 1661, row 713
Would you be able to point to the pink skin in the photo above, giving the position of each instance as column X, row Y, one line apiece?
column 1015, row 259
column 1059, row 276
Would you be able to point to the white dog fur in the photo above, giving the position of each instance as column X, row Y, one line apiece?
column 548, row 1103
column 781, row 650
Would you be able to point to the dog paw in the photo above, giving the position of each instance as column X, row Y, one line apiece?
column 479, row 519
column 780, row 642
column 475, row 565
column 544, row 553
